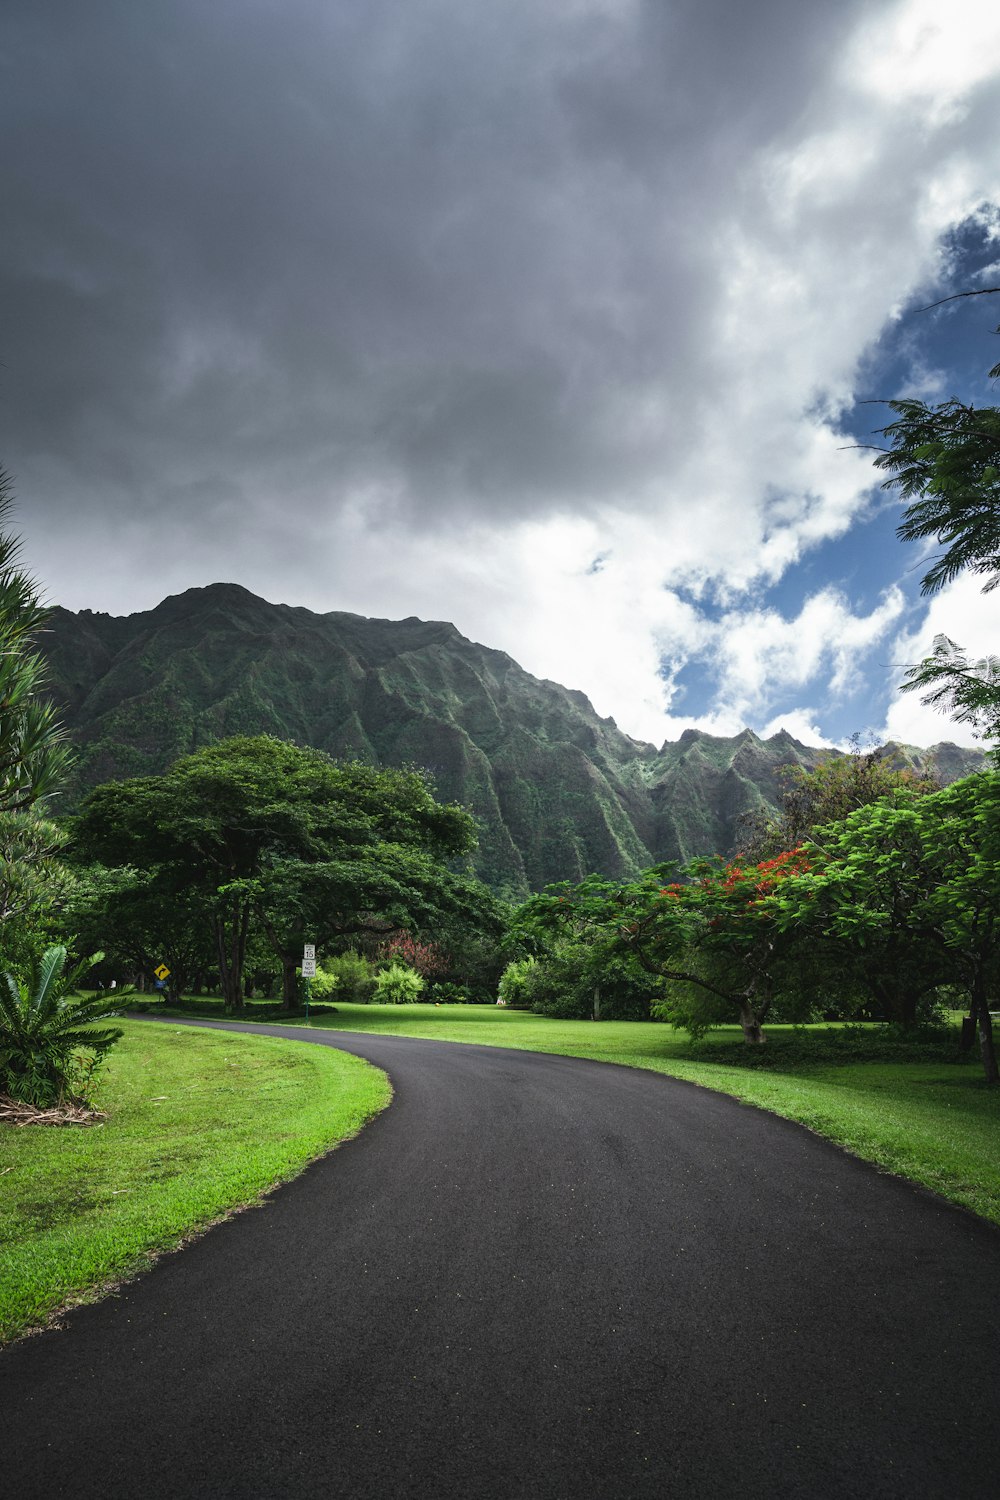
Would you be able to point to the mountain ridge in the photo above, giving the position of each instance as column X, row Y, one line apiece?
column 558, row 790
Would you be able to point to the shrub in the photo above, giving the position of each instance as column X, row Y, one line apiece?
column 515, row 987
column 353, row 975
column 871, row 1042
column 425, row 959
column 323, row 983
column 445, row 993
column 587, row 982
column 49, row 1051
column 397, row 985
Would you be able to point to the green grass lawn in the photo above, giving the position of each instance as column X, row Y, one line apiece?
column 199, row 1123
column 933, row 1121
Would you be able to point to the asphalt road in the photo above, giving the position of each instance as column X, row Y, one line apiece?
column 537, row 1277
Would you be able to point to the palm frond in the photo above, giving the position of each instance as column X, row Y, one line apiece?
column 49, row 969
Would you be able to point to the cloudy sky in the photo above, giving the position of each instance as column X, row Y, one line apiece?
column 553, row 318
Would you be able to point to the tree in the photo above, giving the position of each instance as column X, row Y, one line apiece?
column 945, row 460
column 858, row 903
column 715, row 935
column 33, row 756
column 591, row 978
column 33, row 749
column 826, row 794
column 912, row 886
column 960, row 832
column 264, row 831
column 36, row 887
column 141, row 920
column 967, row 690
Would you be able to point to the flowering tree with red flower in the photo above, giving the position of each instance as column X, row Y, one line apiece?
column 426, row 959
column 713, row 935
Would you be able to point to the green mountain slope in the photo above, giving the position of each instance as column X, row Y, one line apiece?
column 558, row 791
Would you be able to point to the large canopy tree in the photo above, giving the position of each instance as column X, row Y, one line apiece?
column 268, row 832
column 713, row 938
column 945, row 462
column 138, row 924
column 910, row 888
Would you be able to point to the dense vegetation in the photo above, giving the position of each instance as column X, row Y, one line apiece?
column 49, row 1047
column 256, row 840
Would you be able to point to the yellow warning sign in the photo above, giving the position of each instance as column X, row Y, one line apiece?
column 161, row 971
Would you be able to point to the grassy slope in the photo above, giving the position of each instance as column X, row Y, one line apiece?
column 935, row 1123
column 199, row 1123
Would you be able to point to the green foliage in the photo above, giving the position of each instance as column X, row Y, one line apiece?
column 36, row 887
column 49, row 1049
column 909, row 890
column 825, row 794
column 591, row 980
column 515, row 986
column 353, row 975
column 263, row 832
column 713, row 937
column 33, row 749
column 446, row 992
column 967, row 690
column 398, row 985
column 142, row 918
column 323, row 984
column 945, row 460
column 34, row 756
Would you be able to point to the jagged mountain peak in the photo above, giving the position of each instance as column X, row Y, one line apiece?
column 558, row 790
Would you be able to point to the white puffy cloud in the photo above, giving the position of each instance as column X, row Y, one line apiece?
column 544, row 325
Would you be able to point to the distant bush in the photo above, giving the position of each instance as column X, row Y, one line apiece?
column 425, row 959
column 323, row 984
column 589, row 982
column 352, row 975
column 398, row 985
column 445, row 993
column 871, row 1042
column 515, row 987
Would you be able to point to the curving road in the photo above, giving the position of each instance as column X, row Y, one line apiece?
column 545, row 1278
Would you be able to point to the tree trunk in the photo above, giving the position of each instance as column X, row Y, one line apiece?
column 750, row 1021
column 898, row 1004
column 597, row 1002
column 981, row 1010
column 289, row 982
column 232, row 950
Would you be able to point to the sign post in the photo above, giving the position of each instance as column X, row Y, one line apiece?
column 308, row 969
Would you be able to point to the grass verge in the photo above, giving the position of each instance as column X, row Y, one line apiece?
column 199, row 1124
column 932, row 1120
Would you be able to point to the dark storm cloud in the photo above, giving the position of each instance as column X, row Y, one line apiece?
column 437, row 249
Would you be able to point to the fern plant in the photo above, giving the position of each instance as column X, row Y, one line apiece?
column 398, row 985
column 49, row 1048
